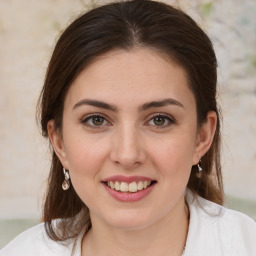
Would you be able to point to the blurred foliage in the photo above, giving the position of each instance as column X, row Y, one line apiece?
column 206, row 8
column 89, row 4
column 246, row 206
column 254, row 62
column 56, row 26
column 11, row 228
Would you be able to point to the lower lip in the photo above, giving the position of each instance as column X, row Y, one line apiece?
column 129, row 196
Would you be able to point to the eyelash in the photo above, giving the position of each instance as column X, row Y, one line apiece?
column 86, row 119
column 167, row 118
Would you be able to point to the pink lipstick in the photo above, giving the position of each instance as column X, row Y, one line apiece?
column 128, row 188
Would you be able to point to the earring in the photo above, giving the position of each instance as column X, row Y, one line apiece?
column 66, row 182
column 200, row 169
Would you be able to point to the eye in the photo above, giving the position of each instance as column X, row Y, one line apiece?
column 161, row 120
column 95, row 121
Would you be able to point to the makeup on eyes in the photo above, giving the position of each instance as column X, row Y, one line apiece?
column 158, row 120
column 97, row 120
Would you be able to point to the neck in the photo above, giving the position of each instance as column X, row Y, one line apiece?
column 165, row 237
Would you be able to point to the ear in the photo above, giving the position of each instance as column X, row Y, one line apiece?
column 57, row 143
column 205, row 136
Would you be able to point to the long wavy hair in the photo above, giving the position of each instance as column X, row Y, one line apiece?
column 127, row 25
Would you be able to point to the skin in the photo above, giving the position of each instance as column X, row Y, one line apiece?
column 129, row 140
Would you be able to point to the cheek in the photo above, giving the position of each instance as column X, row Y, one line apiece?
column 85, row 159
column 174, row 157
column 85, row 155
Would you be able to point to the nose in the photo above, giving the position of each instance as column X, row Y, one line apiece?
column 128, row 148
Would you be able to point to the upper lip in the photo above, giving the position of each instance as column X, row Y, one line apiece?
column 127, row 179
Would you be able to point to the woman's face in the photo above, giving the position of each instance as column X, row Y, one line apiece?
column 129, row 137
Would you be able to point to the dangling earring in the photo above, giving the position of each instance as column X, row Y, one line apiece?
column 66, row 182
column 200, row 169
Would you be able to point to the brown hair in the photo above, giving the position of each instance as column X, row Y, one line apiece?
column 127, row 25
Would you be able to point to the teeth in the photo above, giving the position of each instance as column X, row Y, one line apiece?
column 131, row 187
column 112, row 184
column 117, row 186
column 140, row 185
column 124, row 187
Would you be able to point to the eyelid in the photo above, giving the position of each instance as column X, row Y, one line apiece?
column 170, row 118
column 87, row 117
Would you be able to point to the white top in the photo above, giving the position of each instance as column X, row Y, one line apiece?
column 213, row 231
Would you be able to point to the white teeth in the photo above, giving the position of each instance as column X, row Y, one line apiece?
column 117, row 185
column 124, row 187
column 112, row 184
column 140, row 185
column 131, row 187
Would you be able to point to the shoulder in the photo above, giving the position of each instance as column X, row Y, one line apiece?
column 220, row 230
column 226, row 218
column 35, row 241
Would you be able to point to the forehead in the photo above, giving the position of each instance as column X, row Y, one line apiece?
column 137, row 75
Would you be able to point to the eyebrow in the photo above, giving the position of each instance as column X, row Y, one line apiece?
column 161, row 103
column 145, row 106
column 95, row 103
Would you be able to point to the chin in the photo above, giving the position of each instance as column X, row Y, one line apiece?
column 129, row 221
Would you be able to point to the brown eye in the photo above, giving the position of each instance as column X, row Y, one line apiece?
column 95, row 121
column 159, row 120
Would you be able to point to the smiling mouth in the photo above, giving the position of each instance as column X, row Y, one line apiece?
column 131, row 187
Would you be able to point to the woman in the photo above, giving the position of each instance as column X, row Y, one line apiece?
column 129, row 106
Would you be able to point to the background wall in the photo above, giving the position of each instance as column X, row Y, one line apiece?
column 28, row 32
